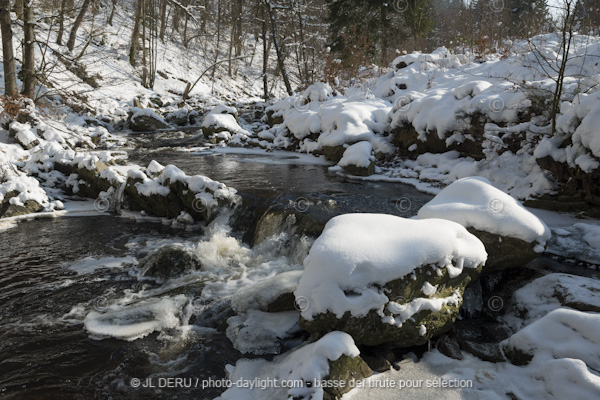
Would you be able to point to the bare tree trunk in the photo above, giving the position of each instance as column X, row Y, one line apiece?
column 112, row 12
column 163, row 19
column 29, row 78
column 77, row 24
column 306, row 78
column 384, row 42
column 18, row 8
column 135, row 35
column 144, row 47
column 238, row 27
column 8, row 57
column 218, row 40
column 61, row 22
column 265, row 57
column 280, row 60
column 567, row 39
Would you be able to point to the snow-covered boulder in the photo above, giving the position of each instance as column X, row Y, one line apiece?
column 24, row 135
column 179, row 117
column 172, row 192
column 512, row 235
column 19, row 194
column 551, row 292
column 325, row 369
column 386, row 279
column 222, row 124
column 359, row 159
column 561, row 334
column 145, row 120
column 572, row 155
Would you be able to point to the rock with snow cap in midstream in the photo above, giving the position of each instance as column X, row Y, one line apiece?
column 387, row 280
column 512, row 235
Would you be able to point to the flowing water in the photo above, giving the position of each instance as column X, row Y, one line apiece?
column 65, row 281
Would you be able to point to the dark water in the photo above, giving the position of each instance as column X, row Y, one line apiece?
column 44, row 354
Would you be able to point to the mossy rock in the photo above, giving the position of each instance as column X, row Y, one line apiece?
column 405, row 136
column 169, row 262
column 360, row 171
column 178, row 119
column 189, row 203
column 94, row 182
column 346, row 370
column 273, row 120
column 578, row 191
column 161, row 206
column 146, row 123
column 210, row 131
column 333, row 153
column 504, row 252
column 13, row 210
column 277, row 217
column 369, row 330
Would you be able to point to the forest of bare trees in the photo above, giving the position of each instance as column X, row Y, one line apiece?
column 303, row 40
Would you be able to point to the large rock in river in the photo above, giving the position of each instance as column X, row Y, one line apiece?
column 387, row 280
column 145, row 120
column 169, row 262
column 512, row 235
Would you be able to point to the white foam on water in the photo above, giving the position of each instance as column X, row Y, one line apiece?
column 138, row 320
column 91, row 264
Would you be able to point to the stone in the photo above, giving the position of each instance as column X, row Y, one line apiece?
column 333, row 153
column 504, row 252
column 13, row 210
column 449, row 347
column 169, row 262
column 145, row 122
column 370, row 330
column 360, row 171
column 179, row 117
column 161, row 206
column 345, row 369
column 94, row 183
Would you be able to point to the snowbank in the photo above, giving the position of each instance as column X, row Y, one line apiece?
column 550, row 292
column 474, row 202
column 357, row 252
column 560, row 334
